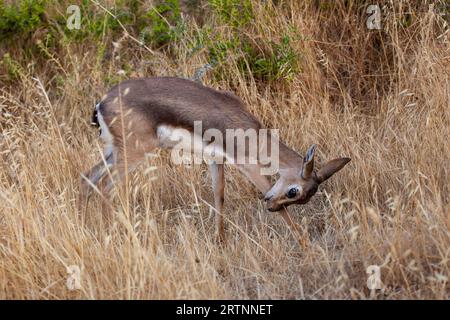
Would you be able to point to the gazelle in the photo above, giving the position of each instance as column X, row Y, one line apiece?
column 140, row 115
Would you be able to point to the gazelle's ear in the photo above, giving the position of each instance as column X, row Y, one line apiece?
column 330, row 168
column 308, row 163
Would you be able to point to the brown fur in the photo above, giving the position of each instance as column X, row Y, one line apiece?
column 178, row 102
column 134, row 109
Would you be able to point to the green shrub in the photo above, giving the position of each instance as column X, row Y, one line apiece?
column 236, row 13
column 13, row 68
column 95, row 24
column 165, row 23
column 280, row 63
column 270, row 61
column 21, row 18
column 277, row 61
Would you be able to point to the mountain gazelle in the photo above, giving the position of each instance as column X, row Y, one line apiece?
column 137, row 116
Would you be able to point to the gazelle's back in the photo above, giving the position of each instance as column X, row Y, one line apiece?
column 177, row 102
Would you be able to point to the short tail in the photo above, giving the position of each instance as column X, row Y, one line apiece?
column 200, row 72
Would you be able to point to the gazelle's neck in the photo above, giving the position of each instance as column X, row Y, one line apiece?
column 288, row 157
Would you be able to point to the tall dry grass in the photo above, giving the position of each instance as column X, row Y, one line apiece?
column 379, row 97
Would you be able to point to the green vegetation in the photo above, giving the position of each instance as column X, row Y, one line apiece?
column 156, row 27
column 236, row 13
column 165, row 23
column 21, row 18
column 12, row 67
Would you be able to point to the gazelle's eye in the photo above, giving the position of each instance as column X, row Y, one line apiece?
column 292, row 192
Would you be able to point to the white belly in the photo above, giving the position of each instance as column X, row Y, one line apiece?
column 186, row 144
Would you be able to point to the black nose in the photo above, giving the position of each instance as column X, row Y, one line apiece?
column 267, row 198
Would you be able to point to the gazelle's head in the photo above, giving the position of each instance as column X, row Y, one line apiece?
column 298, row 185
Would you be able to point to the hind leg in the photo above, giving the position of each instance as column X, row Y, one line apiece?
column 93, row 178
column 112, row 182
column 125, row 161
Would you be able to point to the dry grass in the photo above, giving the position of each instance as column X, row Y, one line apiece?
column 381, row 98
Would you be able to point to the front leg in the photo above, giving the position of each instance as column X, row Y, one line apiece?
column 218, row 185
column 253, row 173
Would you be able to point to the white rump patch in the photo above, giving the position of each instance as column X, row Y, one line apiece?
column 105, row 135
